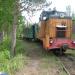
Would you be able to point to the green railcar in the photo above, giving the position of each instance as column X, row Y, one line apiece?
column 30, row 32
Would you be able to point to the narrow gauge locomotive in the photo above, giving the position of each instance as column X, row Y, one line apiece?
column 54, row 30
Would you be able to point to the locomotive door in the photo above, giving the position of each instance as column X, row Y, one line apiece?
column 61, row 31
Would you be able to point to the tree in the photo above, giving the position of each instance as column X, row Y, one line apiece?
column 32, row 6
column 68, row 10
column 7, row 18
column 73, row 16
column 10, row 10
column 20, row 27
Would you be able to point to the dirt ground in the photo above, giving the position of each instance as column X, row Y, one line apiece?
column 39, row 62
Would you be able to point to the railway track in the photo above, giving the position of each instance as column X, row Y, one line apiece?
column 68, row 63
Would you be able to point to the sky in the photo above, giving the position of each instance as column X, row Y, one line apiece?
column 60, row 6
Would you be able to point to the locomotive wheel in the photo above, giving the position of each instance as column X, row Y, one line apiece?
column 56, row 51
column 64, row 50
column 59, row 51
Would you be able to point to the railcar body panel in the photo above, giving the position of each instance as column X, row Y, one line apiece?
column 31, row 31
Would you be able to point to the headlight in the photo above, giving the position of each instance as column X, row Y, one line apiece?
column 51, row 41
column 62, row 15
column 73, row 42
column 44, row 18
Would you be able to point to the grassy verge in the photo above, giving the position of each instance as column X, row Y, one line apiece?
column 6, row 63
column 25, row 52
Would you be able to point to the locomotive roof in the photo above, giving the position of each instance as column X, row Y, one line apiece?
column 54, row 14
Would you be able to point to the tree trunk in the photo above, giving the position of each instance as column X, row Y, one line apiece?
column 3, row 33
column 13, row 36
column 14, row 28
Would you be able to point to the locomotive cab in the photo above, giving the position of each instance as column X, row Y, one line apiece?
column 55, row 30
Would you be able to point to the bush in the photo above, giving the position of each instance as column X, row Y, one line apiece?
column 6, row 63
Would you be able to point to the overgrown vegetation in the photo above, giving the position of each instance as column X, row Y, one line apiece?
column 6, row 63
column 11, row 16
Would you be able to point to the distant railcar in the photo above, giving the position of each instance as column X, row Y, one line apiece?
column 30, row 32
column 55, row 31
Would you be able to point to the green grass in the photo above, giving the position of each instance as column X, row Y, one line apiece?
column 32, row 50
column 6, row 63
column 12, row 65
column 26, row 51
